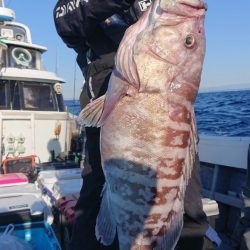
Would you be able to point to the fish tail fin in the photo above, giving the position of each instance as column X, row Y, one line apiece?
column 91, row 114
column 170, row 239
column 105, row 229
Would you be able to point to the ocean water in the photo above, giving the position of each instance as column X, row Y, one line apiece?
column 217, row 113
column 223, row 113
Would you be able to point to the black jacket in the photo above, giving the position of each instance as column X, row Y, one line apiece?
column 94, row 30
column 81, row 25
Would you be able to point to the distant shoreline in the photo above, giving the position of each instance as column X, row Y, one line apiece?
column 201, row 91
column 225, row 89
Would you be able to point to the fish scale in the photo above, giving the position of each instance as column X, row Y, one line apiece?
column 148, row 130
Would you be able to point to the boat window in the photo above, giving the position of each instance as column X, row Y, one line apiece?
column 13, row 33
column 23, row 58
column 3, row 56
column 19, row 95
column 4, row 95
column 38, row 97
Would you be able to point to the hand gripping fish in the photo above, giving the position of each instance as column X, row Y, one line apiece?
column 148, row 130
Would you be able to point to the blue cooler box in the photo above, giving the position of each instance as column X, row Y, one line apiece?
column 39, row 235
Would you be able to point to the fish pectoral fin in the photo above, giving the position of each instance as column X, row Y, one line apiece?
column 91, row 114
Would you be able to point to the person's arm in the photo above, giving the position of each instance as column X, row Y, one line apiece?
column 100, row 10
column 80, row 21
column 96, row 12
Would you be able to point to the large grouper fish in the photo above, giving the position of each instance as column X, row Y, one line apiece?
column 148, row 131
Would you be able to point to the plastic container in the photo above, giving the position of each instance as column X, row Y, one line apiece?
column 19, row 205
column 51, row 176
column 39, row 235
column 55, row 184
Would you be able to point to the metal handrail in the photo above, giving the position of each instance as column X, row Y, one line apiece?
column 246, row 190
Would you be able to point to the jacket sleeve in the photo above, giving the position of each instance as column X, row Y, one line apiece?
column 100, row 10
column 69, row 20
column 96, row 11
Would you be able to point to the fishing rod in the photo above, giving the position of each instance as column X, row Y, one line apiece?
column 74, row 87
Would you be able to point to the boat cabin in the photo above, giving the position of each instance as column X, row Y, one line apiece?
column 33, row 117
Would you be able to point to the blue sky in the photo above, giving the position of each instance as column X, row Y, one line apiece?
column 227, row 60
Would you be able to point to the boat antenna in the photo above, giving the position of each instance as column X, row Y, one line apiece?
column 74, row 89
column 2, row 2
column 56, row 66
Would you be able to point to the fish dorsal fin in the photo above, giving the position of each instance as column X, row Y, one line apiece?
column 90, row 115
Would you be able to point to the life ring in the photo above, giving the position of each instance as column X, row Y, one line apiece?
column 21, row 56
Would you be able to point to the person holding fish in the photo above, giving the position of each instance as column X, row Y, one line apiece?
column 148, row 132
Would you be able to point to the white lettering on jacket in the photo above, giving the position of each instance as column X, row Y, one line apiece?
column 144, row 4
column 69, row 7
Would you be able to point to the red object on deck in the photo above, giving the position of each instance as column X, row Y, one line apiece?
column 66, row 206
column 13, row 179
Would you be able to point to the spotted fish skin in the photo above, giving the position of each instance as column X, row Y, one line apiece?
column 148, row 131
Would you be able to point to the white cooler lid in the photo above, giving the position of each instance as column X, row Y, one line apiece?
column 210, row 207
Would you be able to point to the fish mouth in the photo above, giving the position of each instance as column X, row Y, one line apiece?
column 185, row 8
column 197, row 4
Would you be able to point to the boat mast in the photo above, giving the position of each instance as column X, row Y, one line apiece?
column 2, row 3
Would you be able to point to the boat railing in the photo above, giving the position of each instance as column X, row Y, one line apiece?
column 247, row 188
column 224, row 151
column 224, row 167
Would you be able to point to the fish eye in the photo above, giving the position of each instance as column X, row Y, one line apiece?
column 189, row 42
